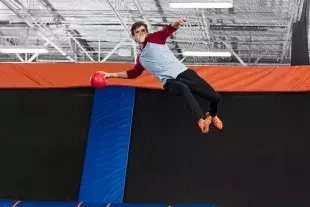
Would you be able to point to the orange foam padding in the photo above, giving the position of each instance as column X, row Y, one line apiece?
column 222, row 78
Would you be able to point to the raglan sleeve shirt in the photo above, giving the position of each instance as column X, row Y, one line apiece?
column 158, row 37
column 161, row 36
column 136, row 71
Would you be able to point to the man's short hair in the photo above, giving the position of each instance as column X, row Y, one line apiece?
column 137, row 25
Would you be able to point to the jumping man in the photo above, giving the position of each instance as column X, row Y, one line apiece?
column 175, row 77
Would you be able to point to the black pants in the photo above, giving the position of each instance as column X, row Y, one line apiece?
column 188, row 83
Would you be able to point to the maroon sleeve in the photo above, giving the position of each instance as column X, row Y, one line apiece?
column 161, row 36
column 136, row 71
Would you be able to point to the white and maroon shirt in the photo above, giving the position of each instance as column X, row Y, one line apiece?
column 157, row 58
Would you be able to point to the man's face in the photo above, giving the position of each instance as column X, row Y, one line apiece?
column 140, row 34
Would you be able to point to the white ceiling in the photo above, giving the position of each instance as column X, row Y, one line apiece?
column 258, row 31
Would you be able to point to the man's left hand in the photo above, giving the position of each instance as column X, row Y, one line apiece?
column 182, row 21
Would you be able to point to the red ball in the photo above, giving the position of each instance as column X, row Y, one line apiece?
column 98, row 80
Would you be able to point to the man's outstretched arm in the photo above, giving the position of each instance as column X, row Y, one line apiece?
column 117, row 75
column 135, row 72
column 161, row 36
column 129, row 74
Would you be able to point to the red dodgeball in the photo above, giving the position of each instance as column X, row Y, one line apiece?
column 98, row 80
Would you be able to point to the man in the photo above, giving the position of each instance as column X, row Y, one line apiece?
column 175, row 77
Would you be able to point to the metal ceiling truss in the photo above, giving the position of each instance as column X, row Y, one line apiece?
column 11, row 42
column 110, row 2
column 81, row 42
column 202, row 24
column 257, row 36
column 141, row 14
column 21, row 11
column 295, row 11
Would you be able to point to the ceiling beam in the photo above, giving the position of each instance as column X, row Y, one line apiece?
column 234, row 53
column 127, row 30
column 112, row 51
column 81, row 42
column 119, row 18
column 12, row 42
column 295, row 14
column 36, row 28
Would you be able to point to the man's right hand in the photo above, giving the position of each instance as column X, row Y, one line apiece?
column 106, row 75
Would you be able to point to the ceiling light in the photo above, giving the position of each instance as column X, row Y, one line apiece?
column 201, row 5
column 208, row 54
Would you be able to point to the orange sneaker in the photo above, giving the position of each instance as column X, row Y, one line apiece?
column 204, row 124
column 216, row 121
